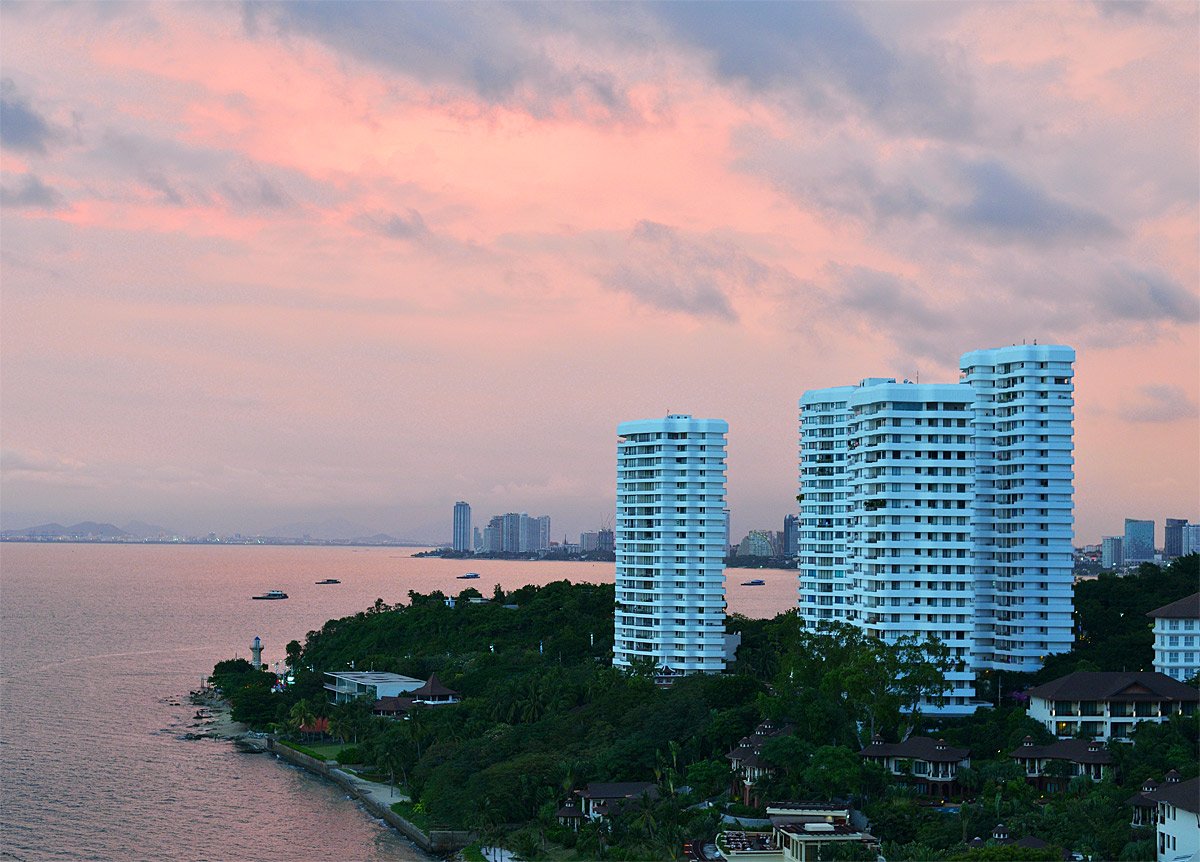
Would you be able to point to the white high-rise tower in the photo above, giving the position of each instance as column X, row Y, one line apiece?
column 945, row 510
column 462, row 526
column 1024, row 502
column 670, row 536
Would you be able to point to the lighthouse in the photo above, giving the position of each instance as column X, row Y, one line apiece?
column 256, row 651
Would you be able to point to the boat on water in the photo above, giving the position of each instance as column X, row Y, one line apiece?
column 469, row 576
column 329, row 581
column 756, row 582
column 272, row 594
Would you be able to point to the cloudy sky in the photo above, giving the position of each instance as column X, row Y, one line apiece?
column 264, row 263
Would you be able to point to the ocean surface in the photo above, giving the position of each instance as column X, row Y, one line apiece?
column 101, row 644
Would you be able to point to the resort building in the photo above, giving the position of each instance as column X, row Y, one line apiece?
column 945, row 510
column 1051, row 767
column 1178, row 819
column 462, row 526
column 603, row 799
column 670, row 544
column 930, row 764
column 1177, row 638
column 344, row 686
column 1107, row 705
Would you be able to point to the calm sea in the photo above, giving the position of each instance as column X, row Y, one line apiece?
column 100, row 645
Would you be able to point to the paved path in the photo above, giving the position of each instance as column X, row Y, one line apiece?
column 384, row 794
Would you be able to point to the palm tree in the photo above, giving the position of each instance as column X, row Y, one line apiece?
column 302, row 715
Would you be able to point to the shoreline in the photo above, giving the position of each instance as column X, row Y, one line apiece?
column 213, row 721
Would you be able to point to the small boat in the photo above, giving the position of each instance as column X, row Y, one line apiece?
column 329, row 581
column 469, row 576
column 272, row 594
column 757, row 582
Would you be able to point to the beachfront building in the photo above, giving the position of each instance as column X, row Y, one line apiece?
column 1051, row 767
column 1177, row 638
column 345, row 686
column 1106, row 705
column 670, row 544
column 945, row 510
column 929, row 764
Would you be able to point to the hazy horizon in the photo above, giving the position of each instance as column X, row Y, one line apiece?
column 267, row 263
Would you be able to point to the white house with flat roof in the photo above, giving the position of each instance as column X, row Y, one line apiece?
column 344, row 686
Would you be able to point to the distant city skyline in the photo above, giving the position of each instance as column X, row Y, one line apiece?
column 259, row 267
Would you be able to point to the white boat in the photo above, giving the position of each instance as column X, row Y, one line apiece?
column 469, row 576
column 272, row 594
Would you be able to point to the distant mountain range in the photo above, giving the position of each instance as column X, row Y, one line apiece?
column 82, row 530
column 336, row 530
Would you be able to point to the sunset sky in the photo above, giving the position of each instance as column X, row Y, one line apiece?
column 267, row 263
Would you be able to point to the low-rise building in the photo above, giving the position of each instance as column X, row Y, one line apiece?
column 344, row 686
column 1002, row 837
column 1108, row 704
column 603, row 799
column 1145, row 802
column 433, row 693
column 930, row 764
column 1178, row 820
column 1177, row 638
column 1051, row 767
column 801, row 832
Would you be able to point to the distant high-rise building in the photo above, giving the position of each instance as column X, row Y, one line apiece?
column 1190, row 540
column 462, row 526
column 1173, row 537
column 670, row 571
column 589, row 542
column 956, row 497
column 1112, row 554
column 543, row 533
column 1139, row 541
column 605, row 540
column 477, row 544
column 756, row 544
column 791, row 535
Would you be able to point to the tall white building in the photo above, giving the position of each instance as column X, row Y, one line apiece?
column 462, row 526
column 824, row 417
column 670, row 543
column 1024, row 502
column 1191, row 539
column 945, row 510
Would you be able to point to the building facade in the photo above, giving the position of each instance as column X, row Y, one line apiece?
column 1112, row 554
column 1191, row 539
column 462, row 526
column 1139, row 541
column 1023, row 506
column 670, row 579
column 1177, row 638
column 1173, row 537
column 823, row 587
column 945, row 510
column 791, row 535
